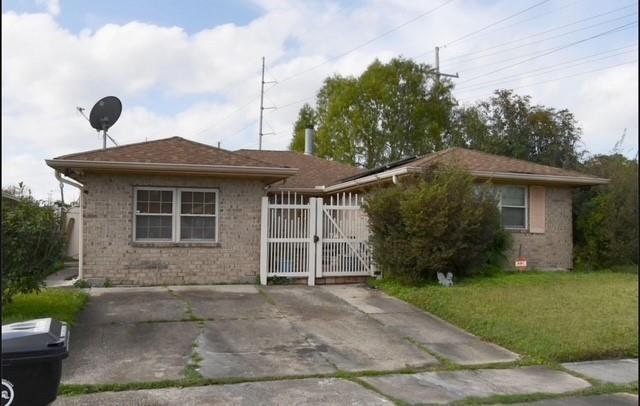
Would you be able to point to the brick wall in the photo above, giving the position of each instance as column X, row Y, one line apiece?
column 552, row 249
column 109, row 250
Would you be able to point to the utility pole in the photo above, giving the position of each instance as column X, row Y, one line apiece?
column 262, row 108
column 438, row 74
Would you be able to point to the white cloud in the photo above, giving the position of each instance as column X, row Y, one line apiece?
column 43, row 81
column 53, row 6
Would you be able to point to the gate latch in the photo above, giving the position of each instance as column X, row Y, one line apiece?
column 316, row 238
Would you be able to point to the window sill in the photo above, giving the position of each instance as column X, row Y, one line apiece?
column 517, row 230
column 170, row 244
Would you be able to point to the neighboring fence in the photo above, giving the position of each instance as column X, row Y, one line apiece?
column 314, row 238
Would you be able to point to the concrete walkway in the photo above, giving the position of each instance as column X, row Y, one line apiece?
column 448, row 386
column 422, row 388
column 620, row 371
column 437, row 335
column 64, row 277
column 290, row 392
column 615, row 399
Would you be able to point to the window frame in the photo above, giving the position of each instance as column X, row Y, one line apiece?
column 525, row 207
column 179, row 215
column 135, row 213
column 176, row 215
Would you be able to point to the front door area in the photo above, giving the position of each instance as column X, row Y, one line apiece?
column 314, row 237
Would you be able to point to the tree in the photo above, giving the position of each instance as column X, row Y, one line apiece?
column 508, row 124
column 306, row 119
column 391, row 111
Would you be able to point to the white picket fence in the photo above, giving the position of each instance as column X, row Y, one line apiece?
column 314, row 237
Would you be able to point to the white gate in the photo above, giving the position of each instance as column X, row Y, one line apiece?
column 313, row 238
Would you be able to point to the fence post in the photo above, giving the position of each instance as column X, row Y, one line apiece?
column 264, row 220
column 311, row 281
column 319, row 232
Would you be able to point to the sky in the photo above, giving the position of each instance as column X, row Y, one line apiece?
column 192, row 68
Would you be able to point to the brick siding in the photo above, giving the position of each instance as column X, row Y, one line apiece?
column 109, row 250
column 553, row 249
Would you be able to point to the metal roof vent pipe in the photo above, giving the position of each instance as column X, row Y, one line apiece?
column 309, row 133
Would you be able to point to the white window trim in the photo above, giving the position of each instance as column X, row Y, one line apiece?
column 179, row 215
column 175, row 214
column 525, row 207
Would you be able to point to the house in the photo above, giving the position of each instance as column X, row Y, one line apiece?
column 535, row 200
column 9, row 200
column 174, row 211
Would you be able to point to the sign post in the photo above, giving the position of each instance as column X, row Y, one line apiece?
column 521, row 264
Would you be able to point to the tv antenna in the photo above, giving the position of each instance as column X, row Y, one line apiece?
column 103, row 115
column 262, row 108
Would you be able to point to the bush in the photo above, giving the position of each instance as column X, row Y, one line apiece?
column 32, row 244
column 440, row 223
column 606, row 217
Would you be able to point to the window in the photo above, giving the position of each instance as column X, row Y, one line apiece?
column 172, row 214
column 154, row 215
column 197, row 215
column 513, row 206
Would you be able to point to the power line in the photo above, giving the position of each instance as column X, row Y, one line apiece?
column 494, row 23
column 296, row 102
column 225, row 118
column 546, row 69
column 456, row 57
column 384, row 34
column 553, row 80
column 537, row 41
column 619, row 28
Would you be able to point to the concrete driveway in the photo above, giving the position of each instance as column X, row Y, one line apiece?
column 160, row 333
column 288, row 345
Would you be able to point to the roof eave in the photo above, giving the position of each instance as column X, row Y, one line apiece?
column 172, row 168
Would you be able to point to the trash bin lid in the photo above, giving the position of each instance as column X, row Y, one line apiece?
column 34, row 338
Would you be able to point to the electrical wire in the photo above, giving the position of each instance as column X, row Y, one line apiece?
column 553, row 80
column 548, row 69
column 362, row 45
column 553, row 50
column 494, row 24
column 449, row 60
column 463, row 56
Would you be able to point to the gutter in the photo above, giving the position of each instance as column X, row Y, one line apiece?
column 80, row 227
column 570, row 180
column 372, row 178
column 177, row 168
column 395, row 173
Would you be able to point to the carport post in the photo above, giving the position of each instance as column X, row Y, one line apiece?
column 263, row 239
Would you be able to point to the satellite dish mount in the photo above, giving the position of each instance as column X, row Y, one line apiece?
column 104, row 114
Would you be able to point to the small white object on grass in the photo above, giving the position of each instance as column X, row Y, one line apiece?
column 445, row 281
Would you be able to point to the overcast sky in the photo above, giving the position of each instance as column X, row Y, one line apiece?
column 192, row 68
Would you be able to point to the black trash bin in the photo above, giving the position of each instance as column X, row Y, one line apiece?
column 32, row 354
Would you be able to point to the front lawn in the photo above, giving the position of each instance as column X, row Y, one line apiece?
column 552, row 317
column 61, row 304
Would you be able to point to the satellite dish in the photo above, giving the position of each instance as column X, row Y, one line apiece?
column 105, row 113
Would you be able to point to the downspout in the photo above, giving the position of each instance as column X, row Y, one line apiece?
column 80, row 244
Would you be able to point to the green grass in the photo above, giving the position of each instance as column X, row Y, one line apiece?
column 61, row 304
column 549, row 317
